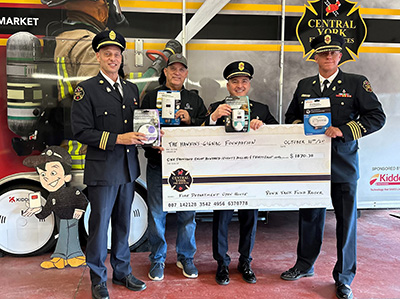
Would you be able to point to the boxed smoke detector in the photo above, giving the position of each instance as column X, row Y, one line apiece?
column 317, row 116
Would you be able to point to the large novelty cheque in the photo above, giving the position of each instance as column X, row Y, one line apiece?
column 276, row 166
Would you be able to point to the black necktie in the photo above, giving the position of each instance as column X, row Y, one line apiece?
column 326, row 82
column 117, row 90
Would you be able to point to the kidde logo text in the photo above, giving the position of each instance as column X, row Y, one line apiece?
column 13, row 199
column 385, row 179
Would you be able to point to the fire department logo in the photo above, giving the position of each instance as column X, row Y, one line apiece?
column 327, row 17
column 367, row 86
column 180, row 180
column 79, row 94
column 241, row 66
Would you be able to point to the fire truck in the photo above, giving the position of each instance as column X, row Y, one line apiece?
column 211, row 34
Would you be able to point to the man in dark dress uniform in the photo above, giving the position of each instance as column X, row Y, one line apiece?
column 238, row 74
column 102, row 118
column 356, row 112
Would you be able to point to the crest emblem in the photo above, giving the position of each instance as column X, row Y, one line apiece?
column 367, row 86
column 327, row 17
column 180, row 180
column 112, row 35
column 241, row 66
column 79, row 94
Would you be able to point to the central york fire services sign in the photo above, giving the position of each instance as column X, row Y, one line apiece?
column 332, row 16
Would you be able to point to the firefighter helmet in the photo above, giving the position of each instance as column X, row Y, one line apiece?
column 52, row 3
column 115, row 15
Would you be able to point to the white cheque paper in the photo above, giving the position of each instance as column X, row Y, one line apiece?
column 276, row 166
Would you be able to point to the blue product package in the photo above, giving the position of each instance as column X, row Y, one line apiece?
column 317, row 116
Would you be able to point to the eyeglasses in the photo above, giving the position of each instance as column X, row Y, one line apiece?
column 327, row 53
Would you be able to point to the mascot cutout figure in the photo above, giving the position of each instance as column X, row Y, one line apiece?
column 68, row 203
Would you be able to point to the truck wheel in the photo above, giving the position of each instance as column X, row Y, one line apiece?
column 139, row 221
column 24, row 236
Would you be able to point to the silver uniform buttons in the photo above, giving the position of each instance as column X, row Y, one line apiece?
column 105, row 113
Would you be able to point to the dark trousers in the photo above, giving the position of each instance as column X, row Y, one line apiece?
column 248, row 226
column 311, row 230
column 109, row 202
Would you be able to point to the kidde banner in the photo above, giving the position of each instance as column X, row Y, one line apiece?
column 205, row 168
column 386, row 179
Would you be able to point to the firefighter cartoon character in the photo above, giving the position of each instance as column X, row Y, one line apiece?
column 68, row 203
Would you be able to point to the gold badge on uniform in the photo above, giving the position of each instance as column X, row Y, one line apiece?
column 241, row 66
column 367, row 86
column 112, row 35
column 79, row 94
column 327, row 39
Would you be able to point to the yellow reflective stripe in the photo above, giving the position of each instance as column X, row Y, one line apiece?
column 78, row 160
column 70, row 147
column 78, row 167
column 60, row 82
column 79, row 163
column 103, row 140
column 65, row 75
column 77, row 157
column 78, row 148
column 355, row 130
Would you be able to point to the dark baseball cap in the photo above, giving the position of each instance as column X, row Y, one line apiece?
column 177, row 58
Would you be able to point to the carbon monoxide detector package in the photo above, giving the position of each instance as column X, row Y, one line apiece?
column 239, row 119
column 147, row 121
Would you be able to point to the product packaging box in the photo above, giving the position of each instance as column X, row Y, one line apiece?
column 317, row 116
column 168, row 103
column 147, row 121
column 239, row 119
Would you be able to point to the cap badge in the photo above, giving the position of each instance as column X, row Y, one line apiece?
column 112, row 35
column 327, row 39
column 241, row 66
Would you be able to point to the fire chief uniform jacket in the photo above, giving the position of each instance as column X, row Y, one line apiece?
column 98, row 116
column 355, row 110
